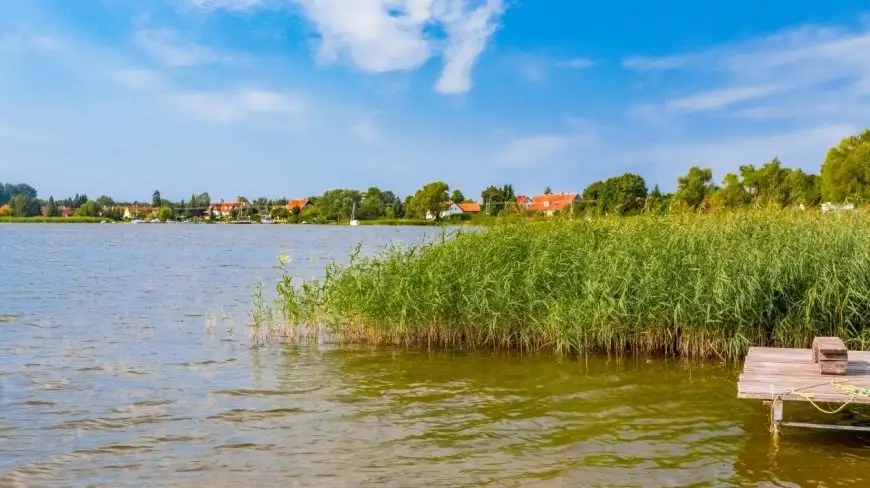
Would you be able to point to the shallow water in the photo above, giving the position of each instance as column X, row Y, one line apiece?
column 124, row 361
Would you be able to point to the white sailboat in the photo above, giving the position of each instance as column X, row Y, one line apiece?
column 353, row 220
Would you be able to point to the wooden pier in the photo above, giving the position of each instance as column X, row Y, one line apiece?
column 777, row 375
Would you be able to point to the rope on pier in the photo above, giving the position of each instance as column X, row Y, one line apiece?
column 852, row 390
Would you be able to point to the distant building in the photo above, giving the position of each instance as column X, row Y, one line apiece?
column 300, row 203
column 549, row 204
column 136, row 212
column 524, row 202
column 224, row 209
column 454, row 208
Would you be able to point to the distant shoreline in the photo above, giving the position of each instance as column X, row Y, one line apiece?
column 99, row 220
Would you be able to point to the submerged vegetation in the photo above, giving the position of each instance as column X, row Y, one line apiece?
column 692, row 285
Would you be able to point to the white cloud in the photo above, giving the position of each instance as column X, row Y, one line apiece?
column 234, row 106
column 15, row 42
column 778, row 71
column 536, row 67
column 721, row 98
column 642, row 63
column 138, row 79
column 237, row 5
column 576, row 63
column 468, row 34
column 379, row 36
column 366, row 131
column 165, row 46
column 532, row 150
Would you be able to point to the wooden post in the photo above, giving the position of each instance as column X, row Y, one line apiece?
column 776, row 408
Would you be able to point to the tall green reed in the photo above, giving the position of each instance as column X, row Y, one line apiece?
column 701, row 286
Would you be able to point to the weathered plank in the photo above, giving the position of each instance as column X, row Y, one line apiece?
column 791, row 374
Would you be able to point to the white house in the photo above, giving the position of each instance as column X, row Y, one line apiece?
column 456, row 209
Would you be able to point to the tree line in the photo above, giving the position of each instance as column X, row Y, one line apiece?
column 844, row 177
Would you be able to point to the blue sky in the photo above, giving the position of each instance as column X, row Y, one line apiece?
column 293, row 97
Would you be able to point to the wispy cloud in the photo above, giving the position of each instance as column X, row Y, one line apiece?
column 721, row 98
column 367, row 131
column 533, row 149
column 168, row 48
column 379, row 36
column 17, row 42
column 237, row 106
column 137, row 79
column 536, row 149
column 237, row 5
column 785, row 68
column 536, row 67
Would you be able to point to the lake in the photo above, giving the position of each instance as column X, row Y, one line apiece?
column 125, row 361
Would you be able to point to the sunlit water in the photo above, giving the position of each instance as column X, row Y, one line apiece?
column 125, row 361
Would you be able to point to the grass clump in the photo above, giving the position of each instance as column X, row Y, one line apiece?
column 700, row 286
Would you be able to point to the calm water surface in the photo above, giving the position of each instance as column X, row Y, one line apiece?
column 125, row 361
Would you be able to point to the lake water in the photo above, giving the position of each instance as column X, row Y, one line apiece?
column 125, row 361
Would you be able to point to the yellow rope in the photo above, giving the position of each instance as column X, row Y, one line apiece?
column 841, row 385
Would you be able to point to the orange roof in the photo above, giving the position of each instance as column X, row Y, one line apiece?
column 553, row 201
column 299, row 203
column 229, row 204
column 469, row 207
column 522, row 199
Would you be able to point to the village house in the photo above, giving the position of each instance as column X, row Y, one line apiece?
column 136, row 212
column 523, row 201
column 454, row 208
column 224, row 209
column 549, row 204
column 300, row 203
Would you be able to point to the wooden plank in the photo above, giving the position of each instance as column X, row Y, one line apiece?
column 832, row 368
column 791, row 374
column 829, row 345
column 855, row 428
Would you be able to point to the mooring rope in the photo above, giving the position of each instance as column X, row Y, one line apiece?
column 852, row 390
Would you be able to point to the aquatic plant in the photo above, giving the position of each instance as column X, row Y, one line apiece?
column 685, row 285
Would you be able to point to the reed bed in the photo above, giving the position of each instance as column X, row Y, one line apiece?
column 698, row 286
column 51, row 220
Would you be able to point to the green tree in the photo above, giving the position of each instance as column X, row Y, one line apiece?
column 733, row 193
column 164, row 214
column 457, row 196
column 8, row 191
column 803, row 188
column 624, row 195
column 22, row 205
column 336, row 205
column 495, row 200
column 694, row 188
column 431, row 199
column 105, row 201
column 548, row 190
column 51, row 209
column 156, row 201
column 372, row 204
column 846, row 170
column 88, row 209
